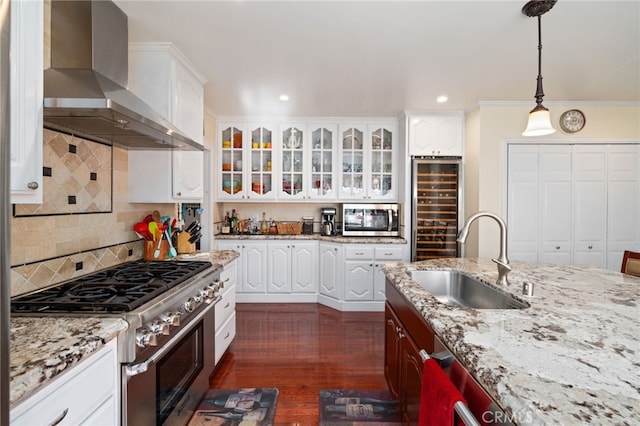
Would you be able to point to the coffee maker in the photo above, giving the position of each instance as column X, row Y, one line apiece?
column 328, row 221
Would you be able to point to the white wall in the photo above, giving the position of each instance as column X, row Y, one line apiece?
column 487, row 130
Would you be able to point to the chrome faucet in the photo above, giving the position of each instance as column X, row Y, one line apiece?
column 502, row 260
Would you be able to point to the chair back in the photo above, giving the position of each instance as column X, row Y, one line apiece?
column 631, row 263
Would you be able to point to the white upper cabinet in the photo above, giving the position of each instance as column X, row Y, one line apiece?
column 165, row 176
column 367, row 161
column 26, row 101
column 245, row 161
column 162, row 77
column 307, row 161
column 436, row 134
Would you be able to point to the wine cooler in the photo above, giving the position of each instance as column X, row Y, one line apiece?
column 436, row 207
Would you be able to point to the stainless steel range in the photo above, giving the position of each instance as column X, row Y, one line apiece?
column 167, row 353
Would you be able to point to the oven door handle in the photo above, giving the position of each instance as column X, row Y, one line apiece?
column 135, row 369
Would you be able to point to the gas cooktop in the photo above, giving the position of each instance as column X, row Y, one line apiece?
column 121, row 288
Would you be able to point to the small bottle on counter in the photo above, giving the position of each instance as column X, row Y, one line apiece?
column 273, row 229
column 226, row 227
column 264, row 226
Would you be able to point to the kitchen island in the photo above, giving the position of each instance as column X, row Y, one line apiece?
column 573, row 357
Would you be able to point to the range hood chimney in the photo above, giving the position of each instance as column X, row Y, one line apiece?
column 85, row 84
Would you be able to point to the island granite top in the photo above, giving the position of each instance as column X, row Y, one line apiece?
column 573, row 357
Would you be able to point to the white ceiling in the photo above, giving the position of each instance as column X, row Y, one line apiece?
column 378, row 58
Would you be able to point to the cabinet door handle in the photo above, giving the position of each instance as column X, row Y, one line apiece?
column 60, row 417
column 227, row 335
column 32, row 185
column 227, row 305
column 557, row 247
column 179, row 194
column 590, row 247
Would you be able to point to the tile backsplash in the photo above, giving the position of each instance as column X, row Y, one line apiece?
column 48, row 249
column 76, row 177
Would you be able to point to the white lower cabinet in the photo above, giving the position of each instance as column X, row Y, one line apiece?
column 346, row 277
column 363, row 276
column 225, row 311
column 87, row 394
column 330, row 279
column 275, row 270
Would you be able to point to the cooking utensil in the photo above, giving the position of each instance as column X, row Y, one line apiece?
column 156, row 216
column 148, row 218
column 156, row 254
column 172, row 251
column 153, row 229
column 142, row 229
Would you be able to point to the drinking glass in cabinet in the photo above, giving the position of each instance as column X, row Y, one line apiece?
column 286, row 162
column 297, row 161
column 315, row 162
column 326, row 162
column 292, row 138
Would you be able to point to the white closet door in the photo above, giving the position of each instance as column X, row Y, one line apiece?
column 589, row 205
column 623, row 202
column 522, row 202
column 555, row 204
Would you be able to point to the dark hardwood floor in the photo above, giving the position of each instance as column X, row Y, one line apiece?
column 302, row 349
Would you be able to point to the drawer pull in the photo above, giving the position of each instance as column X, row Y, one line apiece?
column 359, row 253
column 60, row 417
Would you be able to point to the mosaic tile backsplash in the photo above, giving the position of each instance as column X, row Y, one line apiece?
column 50, row 248
column 76, row 177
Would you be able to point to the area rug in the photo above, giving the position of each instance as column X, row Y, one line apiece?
column 229, row 407
column 358, row 407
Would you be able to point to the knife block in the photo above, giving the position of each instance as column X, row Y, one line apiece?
column 151, row 246
column 184, row 246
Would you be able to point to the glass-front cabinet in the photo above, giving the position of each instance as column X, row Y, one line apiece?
column 292, row 161
column 367, row 161
column 323, row 149
column 245, row 162
column 307, row 160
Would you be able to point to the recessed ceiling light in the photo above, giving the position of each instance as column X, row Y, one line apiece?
column 284, row 98
column 442, row 99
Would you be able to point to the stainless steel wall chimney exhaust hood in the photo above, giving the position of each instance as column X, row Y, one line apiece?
column 85, row 90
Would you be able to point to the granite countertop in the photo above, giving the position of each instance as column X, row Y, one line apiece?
column 572, row 357
column 318, row 237
column 44, row 347
column 217, row 257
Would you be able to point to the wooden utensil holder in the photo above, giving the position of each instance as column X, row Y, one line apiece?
column 151, row 246
column 184, row 246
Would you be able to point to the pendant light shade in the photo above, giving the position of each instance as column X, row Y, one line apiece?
column 539, row 118
column 539, row 123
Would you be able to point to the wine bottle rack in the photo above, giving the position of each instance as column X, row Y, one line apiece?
column 436, row 210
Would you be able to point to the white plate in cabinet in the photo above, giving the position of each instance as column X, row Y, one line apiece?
column 225, row 336
column 86, row 394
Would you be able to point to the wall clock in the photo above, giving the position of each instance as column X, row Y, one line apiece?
column 572, row 121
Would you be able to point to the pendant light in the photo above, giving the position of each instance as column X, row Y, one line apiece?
column 539, row 118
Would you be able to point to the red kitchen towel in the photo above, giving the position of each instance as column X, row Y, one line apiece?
column 437, row 397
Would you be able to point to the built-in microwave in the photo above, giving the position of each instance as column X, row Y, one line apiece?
column 376, row 220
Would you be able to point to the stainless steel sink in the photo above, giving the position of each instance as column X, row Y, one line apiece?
column 456, row 289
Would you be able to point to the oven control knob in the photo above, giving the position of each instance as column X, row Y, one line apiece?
column 207, row 292
column 189, row 305
column 171, row 318
column 145, row 337
column 159, row 327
